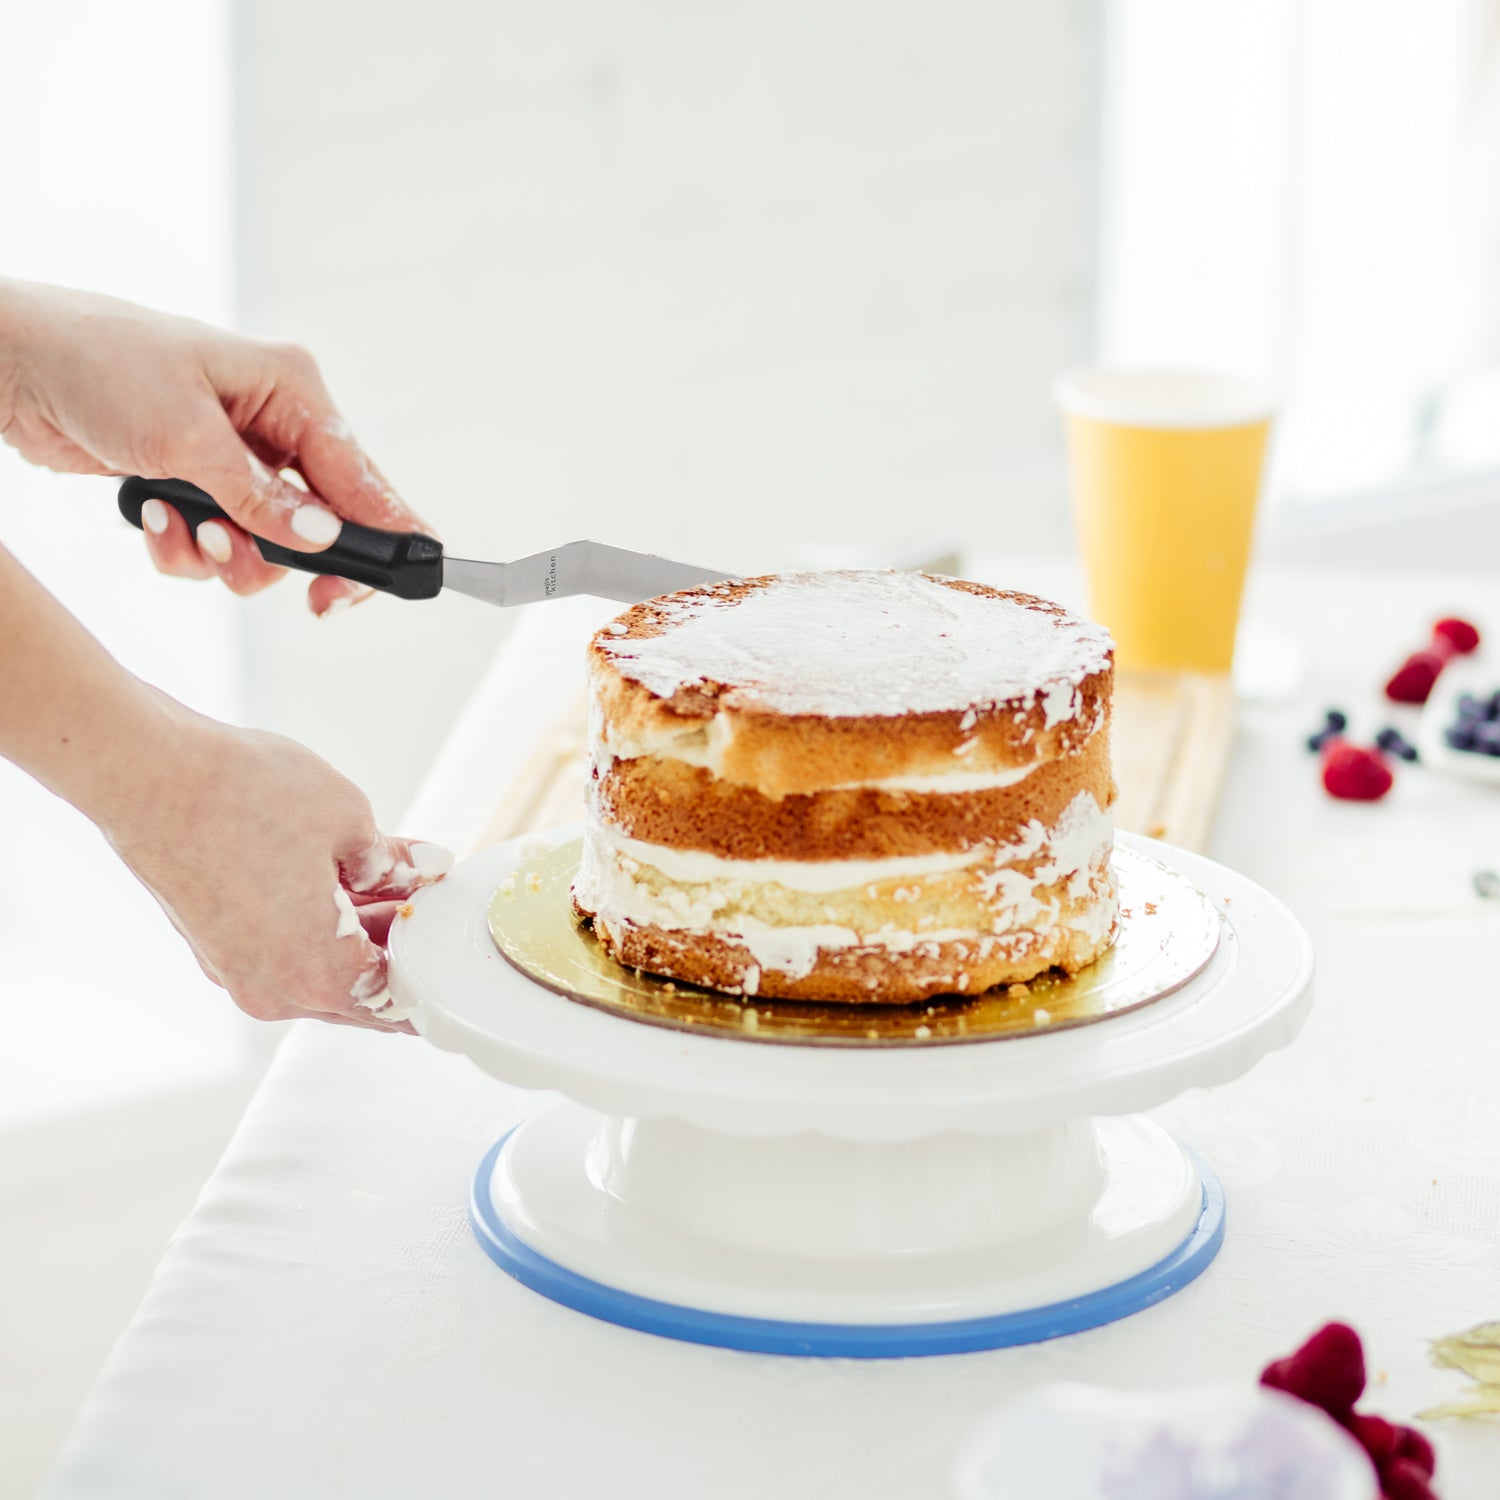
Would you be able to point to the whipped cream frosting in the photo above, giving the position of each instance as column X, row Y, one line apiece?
column 867, row 644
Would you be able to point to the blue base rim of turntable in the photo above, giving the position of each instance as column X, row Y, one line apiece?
column 845, row 1340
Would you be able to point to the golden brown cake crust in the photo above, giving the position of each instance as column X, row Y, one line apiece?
column 856, row 975
column 686, row 807
column 780, row 754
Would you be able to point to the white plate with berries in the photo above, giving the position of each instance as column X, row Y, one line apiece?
column 1459, row 731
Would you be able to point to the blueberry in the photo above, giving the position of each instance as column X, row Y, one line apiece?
column 1393, row 742
column 1338, row 720
column 1470, row 707
column 1494, row 705
column 1315, row 742
column 1487, row 739
column 1460, row 736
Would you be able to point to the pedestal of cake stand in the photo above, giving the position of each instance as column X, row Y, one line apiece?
column 835, row 1201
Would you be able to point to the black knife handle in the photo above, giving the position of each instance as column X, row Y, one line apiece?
column 408, row 564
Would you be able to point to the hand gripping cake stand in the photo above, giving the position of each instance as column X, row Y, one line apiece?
column 864, row 1200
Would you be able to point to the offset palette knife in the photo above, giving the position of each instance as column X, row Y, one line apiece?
column 412, row 565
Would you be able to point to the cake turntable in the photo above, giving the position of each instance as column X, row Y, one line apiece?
column 830, row 1180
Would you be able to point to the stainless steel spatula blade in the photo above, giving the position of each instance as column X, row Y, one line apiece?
column 575, row 568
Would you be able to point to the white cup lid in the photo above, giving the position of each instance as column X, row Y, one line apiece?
column 1163, row 398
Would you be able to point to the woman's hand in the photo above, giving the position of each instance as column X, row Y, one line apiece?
column 271, row 866
column 267, row 861
column 90, row 385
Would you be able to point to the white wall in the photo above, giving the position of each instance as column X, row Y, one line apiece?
column 124, row 189
column 716, row 279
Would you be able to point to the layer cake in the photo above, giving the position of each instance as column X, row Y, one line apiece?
column 857, row 786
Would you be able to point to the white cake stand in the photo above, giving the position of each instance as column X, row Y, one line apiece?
column 813, row 1200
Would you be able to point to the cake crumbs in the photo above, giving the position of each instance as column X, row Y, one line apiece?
column 533, row 881
column 1157, row 831
column 1017, row 991
column 922, row 1033
column 405, row 909
column 1041, row 1015
column 1151, row 908
column 1229, row 901
column 669, row 987
column 508, row 887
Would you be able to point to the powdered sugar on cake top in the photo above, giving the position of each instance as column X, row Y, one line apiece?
column 857, row 644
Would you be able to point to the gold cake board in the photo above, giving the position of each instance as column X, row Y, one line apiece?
column 1168, row 932
column 1171, row 740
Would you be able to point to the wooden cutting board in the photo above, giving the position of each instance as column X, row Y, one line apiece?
column 1172, row 737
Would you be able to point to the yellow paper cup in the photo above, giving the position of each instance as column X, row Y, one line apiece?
column 1166, row 472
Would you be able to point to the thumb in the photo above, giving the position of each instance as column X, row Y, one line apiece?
column 390, row 869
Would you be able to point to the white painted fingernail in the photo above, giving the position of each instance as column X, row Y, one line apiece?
column 317, row 525
column 214, row 541
column 431, row 859
column 155, row 516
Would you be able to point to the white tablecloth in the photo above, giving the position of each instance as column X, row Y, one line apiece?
column 323, row 1324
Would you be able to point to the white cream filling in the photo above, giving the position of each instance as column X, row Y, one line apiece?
column 822, row 876
column 703, row 885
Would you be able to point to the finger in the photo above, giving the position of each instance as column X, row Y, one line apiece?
column 328, row 596
column 170, row 544
column 335, row 466
column 393, row 868
column 364, row 1023
column 377, row 919
column 235, row 558
column 275, row 397
column 256, row 497
column 350, row 978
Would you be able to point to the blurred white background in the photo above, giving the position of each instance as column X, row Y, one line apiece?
column 744, row 280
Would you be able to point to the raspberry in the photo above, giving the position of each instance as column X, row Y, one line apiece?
column 1354, row 774
column 1328, row 1370
column 1377, row 1436
column 1414, row 678
column 1461, row 636
column 1414, row 1447
column 1401, row 1479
